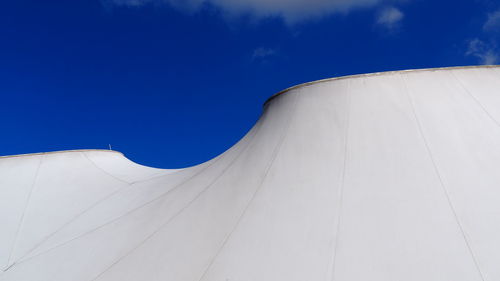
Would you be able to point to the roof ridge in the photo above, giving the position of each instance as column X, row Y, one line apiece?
column 58, row 151
column 373, row 74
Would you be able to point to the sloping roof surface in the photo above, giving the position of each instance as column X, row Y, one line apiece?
column 387, row 177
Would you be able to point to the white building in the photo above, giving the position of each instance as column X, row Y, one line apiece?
column 380, row 177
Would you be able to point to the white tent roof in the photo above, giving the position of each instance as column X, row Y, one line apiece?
column 383, row 177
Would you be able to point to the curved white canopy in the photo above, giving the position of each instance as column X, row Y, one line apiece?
column 383, row 177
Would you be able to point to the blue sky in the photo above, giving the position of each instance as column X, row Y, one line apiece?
column 173, row 83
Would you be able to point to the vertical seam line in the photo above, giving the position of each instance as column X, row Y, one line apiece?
column 443, row 186
column 476, row 100
column 331, row 272
column 268, row 168
column 23, row 216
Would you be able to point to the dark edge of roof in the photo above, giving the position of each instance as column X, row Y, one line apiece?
column 372, row 74
column 59, row 151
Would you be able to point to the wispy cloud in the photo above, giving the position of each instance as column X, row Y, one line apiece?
column 262, row 53
column 390, row 18
column 291, row 11
column 493, row 22
column 486, row 53
column 131, row 3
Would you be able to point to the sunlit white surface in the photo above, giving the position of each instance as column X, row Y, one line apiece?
column 383, row 177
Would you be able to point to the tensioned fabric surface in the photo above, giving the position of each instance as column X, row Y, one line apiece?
column 384, row 177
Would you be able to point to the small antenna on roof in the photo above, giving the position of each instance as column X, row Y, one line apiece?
column 109, row 146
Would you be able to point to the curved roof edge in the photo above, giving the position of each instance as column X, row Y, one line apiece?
column 59, row 151
column 373, row 74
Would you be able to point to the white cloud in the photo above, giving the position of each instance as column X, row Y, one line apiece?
column 389, row 17
column 485, row 52
column 261, row 53
column 291, row 11
column 493, row 21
